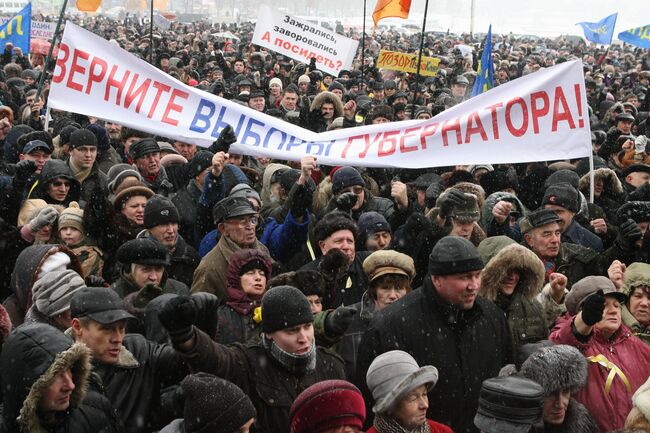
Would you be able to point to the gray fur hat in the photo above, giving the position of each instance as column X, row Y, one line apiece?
column 394, row 374
column 556, row 367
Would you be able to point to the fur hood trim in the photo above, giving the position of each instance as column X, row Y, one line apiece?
column 77, row 359
column 556, row 367
column 330, row 97
column 518, row 258
column 612, row 183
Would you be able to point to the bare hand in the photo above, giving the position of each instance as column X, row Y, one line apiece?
column 349, row 109
column 307, row 164
column 599, row 225
column 501, row 211
column 558, row 284
column 616, row 273
column 5, row 127
column 218, row 163
column 398, row 193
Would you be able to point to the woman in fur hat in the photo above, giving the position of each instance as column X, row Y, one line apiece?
column 512, row 279
column 561, row 370
column 247, row 275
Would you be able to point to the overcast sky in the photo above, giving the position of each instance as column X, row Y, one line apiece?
column 547, row 17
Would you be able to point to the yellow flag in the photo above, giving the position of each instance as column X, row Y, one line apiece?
column 391, row 8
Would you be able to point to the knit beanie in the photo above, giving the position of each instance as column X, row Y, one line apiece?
column 214, row 405
column 118, row 172
column 100, row 133
column 284, row 307
column 326, row 405
column 52, row 293
column 275, row 80
column 72, row 216
column 346, row 177
column 454, row 255
column 564, row 195
column 66, row 132
column 82, row 137
column 58, row 261
column 370, row 223
column 159, row 210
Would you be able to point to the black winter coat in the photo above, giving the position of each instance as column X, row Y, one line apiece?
column 184, row 261
column 187, row 201
column 466, row 347
column 39, row 352
column 269, row 385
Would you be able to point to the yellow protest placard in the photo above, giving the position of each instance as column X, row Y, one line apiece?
column 396, row 61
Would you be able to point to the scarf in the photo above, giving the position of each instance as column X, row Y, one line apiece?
column 386, row 424
column 80, row 173
column 240, row 301
column 296, row 364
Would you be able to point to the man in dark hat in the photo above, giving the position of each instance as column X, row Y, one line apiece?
column 459, row 88
column 84, row 167
column 144, row 263
column 635, row 176
column 472, row 339
column 146, row 156
column 129, row 366
column 161, row 219
column 378, row 97
column 236, row 220
column 623, row 126
column 287, row 354
column 257, row 101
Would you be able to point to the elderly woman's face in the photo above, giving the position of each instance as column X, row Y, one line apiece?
column 640, row 304
column 411, row 411
column 611, row 320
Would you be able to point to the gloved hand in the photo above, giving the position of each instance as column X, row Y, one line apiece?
column 345, row 202
column 206, row 305
column 226, row 138
column 629, row 233
column 593, row 308
column 332, row 263
column 146, row 294
column 338, row 321
column 640, row 143
column 95, row 281
column 47, row 215
column 177, row 316
column 24, row 169
column 449, row 201
column 301, row 201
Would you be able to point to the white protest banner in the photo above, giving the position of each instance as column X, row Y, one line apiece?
column 39, row 30
column 302, row 40
column 542, row 116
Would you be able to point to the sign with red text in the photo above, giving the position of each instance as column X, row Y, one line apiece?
column 541, row 116
column 302, row 40
column 396, row 61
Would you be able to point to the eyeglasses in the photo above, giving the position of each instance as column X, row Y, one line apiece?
column 58, row 183
column 245, row 220
column 355, row 189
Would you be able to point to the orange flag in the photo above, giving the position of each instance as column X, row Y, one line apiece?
column 88, row 5
column 391, row 8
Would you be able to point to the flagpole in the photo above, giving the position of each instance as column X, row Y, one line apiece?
column 363, row 43
column 48, row 59
column 417, row 72
column 151, row 34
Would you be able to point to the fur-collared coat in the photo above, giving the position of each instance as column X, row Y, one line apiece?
column 31, row 359
column 612, row 196
column 524, row 313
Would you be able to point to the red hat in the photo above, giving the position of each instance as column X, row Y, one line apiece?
column 325, row 405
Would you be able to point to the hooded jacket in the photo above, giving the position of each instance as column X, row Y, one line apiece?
column 635, row 275
column 31, row 359
column 26, row 270
column 611, row 198
column 629, row 354
column 524, row 313
column 54, row 169
column 426, row 326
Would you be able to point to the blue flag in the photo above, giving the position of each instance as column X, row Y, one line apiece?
column 18, row 30
column 601, row 32
column 638, row 36
column 485, row 78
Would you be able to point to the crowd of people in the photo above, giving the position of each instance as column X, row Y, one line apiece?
column 152, row 285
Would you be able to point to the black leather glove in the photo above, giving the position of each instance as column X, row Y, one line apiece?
column 593, row 308
column 95, row 281
column 629, row 232
column 177, row 316
column 301, row 201
column 146, row 294
column 449, row 201
column 24, row 169
column 345, row 202
column 312, row 64
column 338, row 321
column 226, row 138
column 332, row 263
column 206, row 305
